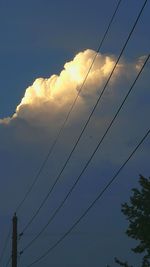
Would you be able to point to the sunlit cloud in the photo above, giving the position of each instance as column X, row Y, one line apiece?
column 32, row 129
column 46, row 98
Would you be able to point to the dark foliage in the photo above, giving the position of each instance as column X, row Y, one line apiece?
column 137, row 213
column 124, row 264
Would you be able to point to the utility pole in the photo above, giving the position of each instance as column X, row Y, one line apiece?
column 14, row 241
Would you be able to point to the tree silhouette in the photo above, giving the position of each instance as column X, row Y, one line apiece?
column 138, row 215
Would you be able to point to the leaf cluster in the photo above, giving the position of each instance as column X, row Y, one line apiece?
column 137, row 212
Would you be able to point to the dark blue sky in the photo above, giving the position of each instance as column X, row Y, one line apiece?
column 37, row 39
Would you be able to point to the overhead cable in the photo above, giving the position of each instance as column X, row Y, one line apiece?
column 68, row 114
column 99, row 196
column 86, row 123
column 88, row 162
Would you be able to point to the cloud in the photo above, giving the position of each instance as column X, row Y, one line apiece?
column 27, row 135
column 46, row 103
column 48, row 98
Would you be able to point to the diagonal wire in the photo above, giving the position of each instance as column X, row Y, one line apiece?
column 87, row 121
column 63, row 125
column 88, row 162
column 68, row 115
column 99, row 196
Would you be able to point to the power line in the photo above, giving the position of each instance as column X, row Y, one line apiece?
column 68, row 114
column 93, row 203
column 87, row 121
column 86, row 165
column 63, row 125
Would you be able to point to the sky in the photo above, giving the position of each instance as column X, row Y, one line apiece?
column 46, row 49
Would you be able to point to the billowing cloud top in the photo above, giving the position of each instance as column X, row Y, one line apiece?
column 32, row 129
column 46, row 98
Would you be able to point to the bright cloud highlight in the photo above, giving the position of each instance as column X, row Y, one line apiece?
column 53, row 95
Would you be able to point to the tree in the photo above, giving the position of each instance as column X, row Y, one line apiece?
column 138, row 215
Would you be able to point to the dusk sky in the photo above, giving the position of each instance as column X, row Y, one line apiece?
column 46, row 49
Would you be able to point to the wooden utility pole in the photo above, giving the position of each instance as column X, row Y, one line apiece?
column 14, row 241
